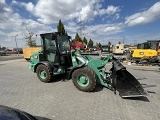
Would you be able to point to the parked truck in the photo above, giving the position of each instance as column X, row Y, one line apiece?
column 118, row 49
column 105, row 50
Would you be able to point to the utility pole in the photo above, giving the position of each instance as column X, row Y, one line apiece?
column 16, row 43
column 81, row 27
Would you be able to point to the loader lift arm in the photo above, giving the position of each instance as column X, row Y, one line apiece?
column 118, row 79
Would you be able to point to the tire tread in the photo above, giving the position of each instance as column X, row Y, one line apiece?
column 91, row 76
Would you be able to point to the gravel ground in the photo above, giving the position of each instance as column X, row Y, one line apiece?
column 20, row 88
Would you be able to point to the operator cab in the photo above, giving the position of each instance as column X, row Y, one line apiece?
column 56, row 48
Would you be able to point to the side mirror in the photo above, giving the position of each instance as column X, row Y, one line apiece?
column 53, row 37
column 69, row 37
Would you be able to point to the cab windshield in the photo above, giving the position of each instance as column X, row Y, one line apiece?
column 48, row 42
column 52, row 43
column 63, row 43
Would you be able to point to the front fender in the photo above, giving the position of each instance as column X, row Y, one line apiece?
column 73, row 69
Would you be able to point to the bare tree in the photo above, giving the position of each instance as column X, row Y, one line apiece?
column 31, row 40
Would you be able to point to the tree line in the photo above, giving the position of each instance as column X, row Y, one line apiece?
column 61, row 29
column 31, row 40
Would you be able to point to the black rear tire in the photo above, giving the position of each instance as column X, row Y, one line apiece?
column 43, row 73
column 90, row 76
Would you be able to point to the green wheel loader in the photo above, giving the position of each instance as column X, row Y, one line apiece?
column 56, row 57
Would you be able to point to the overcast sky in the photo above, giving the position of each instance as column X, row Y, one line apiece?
column 131, row 21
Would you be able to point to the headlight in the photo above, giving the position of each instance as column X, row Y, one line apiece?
column 36, row 57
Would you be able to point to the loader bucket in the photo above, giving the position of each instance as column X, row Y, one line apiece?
column 125, row 83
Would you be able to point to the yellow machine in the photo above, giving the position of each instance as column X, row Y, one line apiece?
column 27, row 52
column 144, row 53
column 148, row 52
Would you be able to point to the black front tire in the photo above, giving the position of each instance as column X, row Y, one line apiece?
column 91, row 78
column 48, row 75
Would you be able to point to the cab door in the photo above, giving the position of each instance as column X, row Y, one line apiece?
column 49, row 48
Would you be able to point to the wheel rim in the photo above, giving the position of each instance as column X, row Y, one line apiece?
column 83, row 80
column 42, row 74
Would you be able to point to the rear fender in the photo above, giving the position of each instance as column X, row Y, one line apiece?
column 46, row 63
